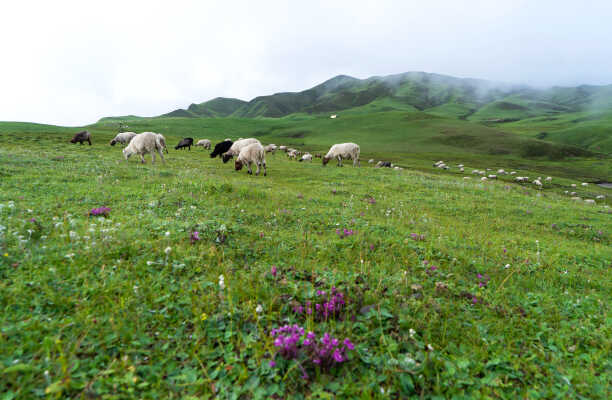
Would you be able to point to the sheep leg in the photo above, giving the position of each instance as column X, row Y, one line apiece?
column 153, row 157
column 257, row 172
column 339, row 161
column 161, row 154
column 142, row 158
column 265, row 171
column 89, row 140
column 250, row 171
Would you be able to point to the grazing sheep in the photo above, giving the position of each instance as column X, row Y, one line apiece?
column 81, row 137
column 501, row 172
column 461, row 169
column 237, row 146
column 333, row 116
column 221, row 148
column 144, row 143
column 537, row 182
column 282, row 148
column 123, row 138
column 460, row 166
column 343, row 151
column 573, row 185
column 161, row 142
column 584, row 184
column 306, row 157
column 548, row 179
column 573, row 194
column 292, row 154
column 252, row 153
column 589, row 201
column 271, row 148
column 576, row 198
column 187, row 142
column 513, row 173
column 521, row 179
column 600, row 197
column 205, row 143
column 483, row 179
column 492, row 176
column 371, row 161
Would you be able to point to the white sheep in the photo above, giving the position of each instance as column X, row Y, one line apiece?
column 589, row 201
column 371, row 161
column 461, row 169
column 483, row 179
column 573, row 185
column 205, row 143
column 161, row 142
column 492, row 176
column 501, row 172
column 347, row 151
column 123, row 138
column 537, row 182
column 584, row 184
column 282, row 148
column 576, row 198
column 306, row 157
column 271, row 148
column 548, row 178
column 237, row 146
column 253, row 153
column 460, row 166
column 145, row 143
column 600, row 197
column 513, row 173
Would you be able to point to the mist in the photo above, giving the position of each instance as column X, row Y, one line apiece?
column 71, row 63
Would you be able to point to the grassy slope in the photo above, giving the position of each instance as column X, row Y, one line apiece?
column 104, row 311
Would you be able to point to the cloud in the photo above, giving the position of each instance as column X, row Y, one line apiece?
column 72, row 62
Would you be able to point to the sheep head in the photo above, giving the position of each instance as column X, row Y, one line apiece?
column 113, row 142
column 325, row 160
column 226, row 158
column 238, row 165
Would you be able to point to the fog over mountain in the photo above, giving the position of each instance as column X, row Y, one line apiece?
column 71, row 62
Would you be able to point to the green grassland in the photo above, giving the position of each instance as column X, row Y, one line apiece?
column 129, row 307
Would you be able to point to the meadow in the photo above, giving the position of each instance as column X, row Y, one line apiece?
column 444, row 287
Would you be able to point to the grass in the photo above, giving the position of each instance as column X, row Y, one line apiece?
column 129, row 307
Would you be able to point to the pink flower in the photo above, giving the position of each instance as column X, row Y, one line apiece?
column 273, row 271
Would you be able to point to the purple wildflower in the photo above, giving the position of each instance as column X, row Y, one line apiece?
column 100, row 211
column 272, row 363
column 195, row 236
column 348, row 344
column 33, row 220
column 273, row 271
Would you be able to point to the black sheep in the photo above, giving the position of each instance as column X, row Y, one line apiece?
column 187, row 142
column 221, row 148
column 81, row 137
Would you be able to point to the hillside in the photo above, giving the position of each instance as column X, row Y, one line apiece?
column 484, row 102
column 451, row 287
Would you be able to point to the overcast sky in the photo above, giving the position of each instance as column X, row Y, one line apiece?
column 73, row 62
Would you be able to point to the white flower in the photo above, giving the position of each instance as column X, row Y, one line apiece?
column 429, row 347
column 507, row 266
column 168, row 250
column 30, row 211
column 221, row 282
column 412, row 332
column 69, row 255
column 259, row 309
column 167, row 233
column 150, row 262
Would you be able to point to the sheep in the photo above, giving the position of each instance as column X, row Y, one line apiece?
column 513, row 173
column 576, row 198
column 221, row 148
column 573, row 185
column 161, row 142
column 461, row 169
column 205, row 143
column 460, row 166
column 123, row 138
column 333, row 116
column 187, row 142
column 600, row 197
column 548, row 178
column 252, row 153
column 143, row 143
column 81, row 137
column 384, row 164
column 306, row 157
column 292, row 154
column 492, row 176
column 521, row 179
column 236, row 147
column 371, row 161
column 282, row 148
column 573, row 194
column 227, row 139
column 584, row 184
column 343, row 151
column 483, row 179
column 589, row 201
column 537, row 182
column 501, row 172
column 271, row 148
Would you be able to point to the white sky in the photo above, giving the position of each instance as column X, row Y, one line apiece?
column 72, row 62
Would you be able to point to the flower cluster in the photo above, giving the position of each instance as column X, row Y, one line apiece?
column 371, row 200
column 345, row 232
column 100, row 211
column 325, row 310
column 483, row 280
column 325, row 352
column 416, row 237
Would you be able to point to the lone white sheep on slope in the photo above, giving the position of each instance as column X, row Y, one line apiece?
column 144, row 143
column 346, row 151
column 254, row 153
column 306, row 157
